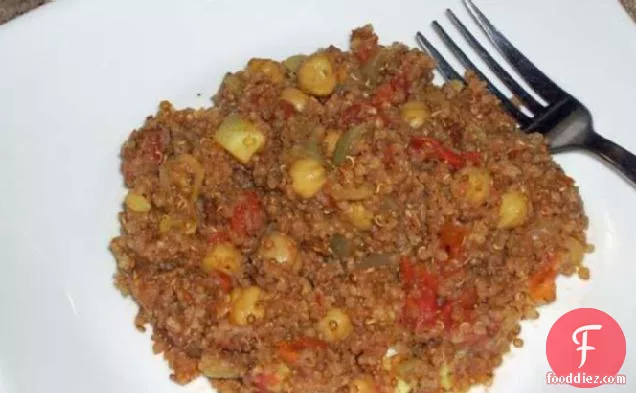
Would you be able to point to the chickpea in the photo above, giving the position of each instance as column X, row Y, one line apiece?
column 514, row 210
column 363, row 384
column 240, row 137
column 335, row 326
column 296, row 98
column 477, row 185
column 271, row 69
column 415, row 113
column 316, row 75
column 359, row 216
column 245, row 307
column 137, row 203
column 331, row 138
column 292, row 63
column 224, row 257
column 280, row 248
column 308, row 176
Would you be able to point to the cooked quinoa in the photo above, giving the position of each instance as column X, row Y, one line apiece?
column 338, row 223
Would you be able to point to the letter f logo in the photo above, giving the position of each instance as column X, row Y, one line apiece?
column 583, row 344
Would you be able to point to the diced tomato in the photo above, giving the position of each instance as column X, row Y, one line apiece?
column 452, row 238
column 364, row 43
column 289, row 351
column 265, row 381
column 383, row 94
column 350, row 114
column 453, row 159
column 399, row 81
column 542, row 284
column 357, row 113
column 472, row 157
column 420, row 306
column 218, row 237
column 225, row 281
column 407, row 271
column 287, row 108
column 420, row 142
column 248, row 216
column 151, row 145
column 388, row 156
column 420, row 310
column 468, row 298
column 514, row 153
column 464, row 305
column 447, row 310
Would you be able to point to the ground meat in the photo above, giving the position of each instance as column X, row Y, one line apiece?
column 370, row 230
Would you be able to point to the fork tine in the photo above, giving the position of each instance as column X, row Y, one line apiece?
column 446, row 69
column 461, row 56
column 506, row 78
column 535, row 78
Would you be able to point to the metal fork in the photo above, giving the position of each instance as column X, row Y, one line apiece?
column 565, row 122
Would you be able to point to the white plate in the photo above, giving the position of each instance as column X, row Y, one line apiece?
column 77, row 76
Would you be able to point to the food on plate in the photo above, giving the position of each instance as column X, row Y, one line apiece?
column 336, row 222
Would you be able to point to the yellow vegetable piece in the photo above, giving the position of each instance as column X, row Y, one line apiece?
column 308, row 176
column 165, row 224
column 240, row 137
column 402, row 386
column 190, row 227
column 575, row 251
column 390, row 359
column 331, row 138
column 137, row 203
column 245, row 305
column 280, row 248
column 335, row 326
column 233, row 83
column 292, row 63
column 273, row 70
column 407, row 369
column 224, row 257
column 359, row 216
column 352, row 193
column 364, row 384
column 197, row 168
column 514, row 210
column 415, row 113
column 296, row 98
column 213, row 366
column 477, row 185
column 316, row 75
column 445, row 377
column 281, row 373
column 455, row 85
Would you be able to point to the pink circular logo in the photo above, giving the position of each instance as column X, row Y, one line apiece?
column 586, row 345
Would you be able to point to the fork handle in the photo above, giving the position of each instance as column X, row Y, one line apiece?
column 619, row 157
